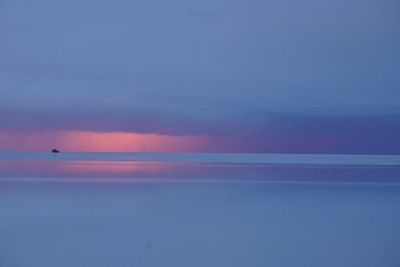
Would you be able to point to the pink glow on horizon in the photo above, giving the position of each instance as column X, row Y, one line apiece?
column 68, row 140
column 99, row 141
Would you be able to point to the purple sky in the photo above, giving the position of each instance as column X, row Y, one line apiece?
column 314, row 76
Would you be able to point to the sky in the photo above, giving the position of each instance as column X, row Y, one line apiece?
column 279, row 76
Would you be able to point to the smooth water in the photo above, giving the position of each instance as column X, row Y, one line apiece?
column 89, row 209
column 40, row 166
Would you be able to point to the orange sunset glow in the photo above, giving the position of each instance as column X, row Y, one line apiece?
column 99, row 141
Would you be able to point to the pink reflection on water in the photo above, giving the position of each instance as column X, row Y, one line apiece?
column 84, row 168
column 124, row 168
column 51, row 169
column 98, row 167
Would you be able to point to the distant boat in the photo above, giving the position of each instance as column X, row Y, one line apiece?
column 55, row 150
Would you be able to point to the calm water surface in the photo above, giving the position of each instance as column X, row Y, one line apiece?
column 146, row 209
column 201, row 167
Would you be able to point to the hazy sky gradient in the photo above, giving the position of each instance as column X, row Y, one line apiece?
column 273, row 76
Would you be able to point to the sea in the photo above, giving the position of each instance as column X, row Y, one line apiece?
column 199, row 209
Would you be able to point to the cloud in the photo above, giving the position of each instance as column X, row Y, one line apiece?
column 210, row 67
